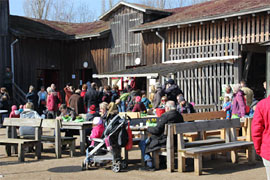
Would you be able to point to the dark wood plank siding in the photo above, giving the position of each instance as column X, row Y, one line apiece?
column 151, row 49
column 66, row 57
column 4, row 37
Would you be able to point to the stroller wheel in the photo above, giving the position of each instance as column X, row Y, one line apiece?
column 124, row 164
column 116, row 166
column 83, row 166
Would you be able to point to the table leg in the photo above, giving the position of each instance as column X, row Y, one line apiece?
column 82, row 141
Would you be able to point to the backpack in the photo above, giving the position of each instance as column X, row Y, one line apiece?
column 123, row 137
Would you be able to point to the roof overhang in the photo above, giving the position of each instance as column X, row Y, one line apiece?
column 163, row 69
column 204, row 19
column 144, row 10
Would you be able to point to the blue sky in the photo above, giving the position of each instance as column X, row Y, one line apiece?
column 16, row 6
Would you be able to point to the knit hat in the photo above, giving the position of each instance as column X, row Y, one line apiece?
column 171, row 81
column 138, row 99
column 97, row 121
column 92, row 109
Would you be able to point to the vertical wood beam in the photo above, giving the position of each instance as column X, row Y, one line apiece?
column 248, row 29
column 258, row 29
column 253, row 30
column 267, row 27
column 262, row 29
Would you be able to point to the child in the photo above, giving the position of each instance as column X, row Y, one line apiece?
column 14, row 112
column 145, row 100
column 21, row 108
column 227, row 107
column 97, row 130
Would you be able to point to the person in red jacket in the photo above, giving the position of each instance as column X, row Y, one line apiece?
column 14, row 112
column 69, row 91
column 139, row 106
column 260, row 130
column 52, row 106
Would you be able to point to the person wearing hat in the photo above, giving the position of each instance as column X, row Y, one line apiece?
column 139, row 106
column 98, row 129
column 183, row 106
column 172, row 90
column 92, row 113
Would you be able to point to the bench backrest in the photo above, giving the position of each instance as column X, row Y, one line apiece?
column 204, row 116
column 22, row 122
column 51, row 123
column 206, row 125
column 131, row 114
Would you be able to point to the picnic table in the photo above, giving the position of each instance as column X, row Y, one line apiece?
column 81, row 126
column 1, row 119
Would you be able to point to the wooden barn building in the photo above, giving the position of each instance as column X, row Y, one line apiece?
column 202, row 47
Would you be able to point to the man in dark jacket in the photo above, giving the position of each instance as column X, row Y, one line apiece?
column 91, row 96
column 158, row 95
column 76, row 102
column 172, row 90
column 32, row 97
column 158, row 140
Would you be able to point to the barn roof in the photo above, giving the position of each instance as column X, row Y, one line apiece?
column 139, row 7
column 29, row 27
column 210, row 10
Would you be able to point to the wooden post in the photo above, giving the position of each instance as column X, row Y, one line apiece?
column 198, row 164
column 268, row 71
column 57, row 139
column 38, row 138
column 8, row 135
column 170, row 149
column 20, row 152
column 180, row 156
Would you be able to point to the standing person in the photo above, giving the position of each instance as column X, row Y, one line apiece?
column 76, row 102
column 32, row 97
column 59, row 97
column 84, row 90
column 152, row 94
column 68, row 91
column 107, row 94
column 238, row 105
column 157, row 139
column 7, row 79
column 260, row 131
column 249, row 95
column 158, row 95
column 52, row 105
column 172, row 90
column 91, row 96
column 42, row 98
column 145, row 100
column 115, row 93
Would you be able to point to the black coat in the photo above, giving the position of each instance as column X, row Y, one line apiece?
column 158, row 139
column 91, row 98
column 172, row 92
column 33, row 98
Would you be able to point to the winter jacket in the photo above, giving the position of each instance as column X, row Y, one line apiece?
column 172, row 92
column 4, row 105
column 248, row 94
column 28, row 113
column 14, row 112
column 68, row 95
column 91, row 98
column 97, row 132
column 260, row 128
column 114, row 96
column 42, row 96
column 157, row 97
column 52, row 103
column 90, row 117
column 139, row 107
column 158, row 139
column 76, row 102
column 186, row 109
column 33, row 98
column 146, row 102
column 83, row 93
column 239, row 105
column 106, row 97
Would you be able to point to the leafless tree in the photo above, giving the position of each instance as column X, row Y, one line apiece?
column 39, row 9
column 103, row 6
column 111, row 3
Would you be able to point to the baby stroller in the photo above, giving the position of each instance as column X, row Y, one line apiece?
column 108, row 149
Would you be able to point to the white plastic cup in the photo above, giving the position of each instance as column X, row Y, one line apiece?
column 141, row 124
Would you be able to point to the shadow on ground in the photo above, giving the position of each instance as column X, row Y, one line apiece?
column 66, row 169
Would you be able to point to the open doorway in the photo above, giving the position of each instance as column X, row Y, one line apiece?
column 46, row 77
column 85, row 75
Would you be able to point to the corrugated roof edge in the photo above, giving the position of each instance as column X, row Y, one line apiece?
column 204, row 19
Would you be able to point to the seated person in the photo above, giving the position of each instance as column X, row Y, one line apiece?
column 66, row 111
column 28, row 112
column 158, row 139
column 145, row 100
column 227, row 107
column 14, row 112
column 91, row 113
column 98, row 129
column 139, row 106
column 163, row 101
column 183, row 106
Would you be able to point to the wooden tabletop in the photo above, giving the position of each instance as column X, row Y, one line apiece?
column 3, row 111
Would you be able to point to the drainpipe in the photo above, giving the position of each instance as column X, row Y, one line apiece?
column 163, row 46
column 12, row 58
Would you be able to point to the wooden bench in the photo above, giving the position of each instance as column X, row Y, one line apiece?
column 204, row 116
column 57, row 139
column 21, row 144
column 231, row 145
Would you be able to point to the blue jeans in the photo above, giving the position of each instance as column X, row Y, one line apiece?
column 122, row 106
column 146, row 156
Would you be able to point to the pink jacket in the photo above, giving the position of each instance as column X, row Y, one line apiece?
column 97, row 132
column 13, row 113
column 52, row 103
column 260, row 128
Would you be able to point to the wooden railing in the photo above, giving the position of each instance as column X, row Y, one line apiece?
column 205, row 51
column 18, row 94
